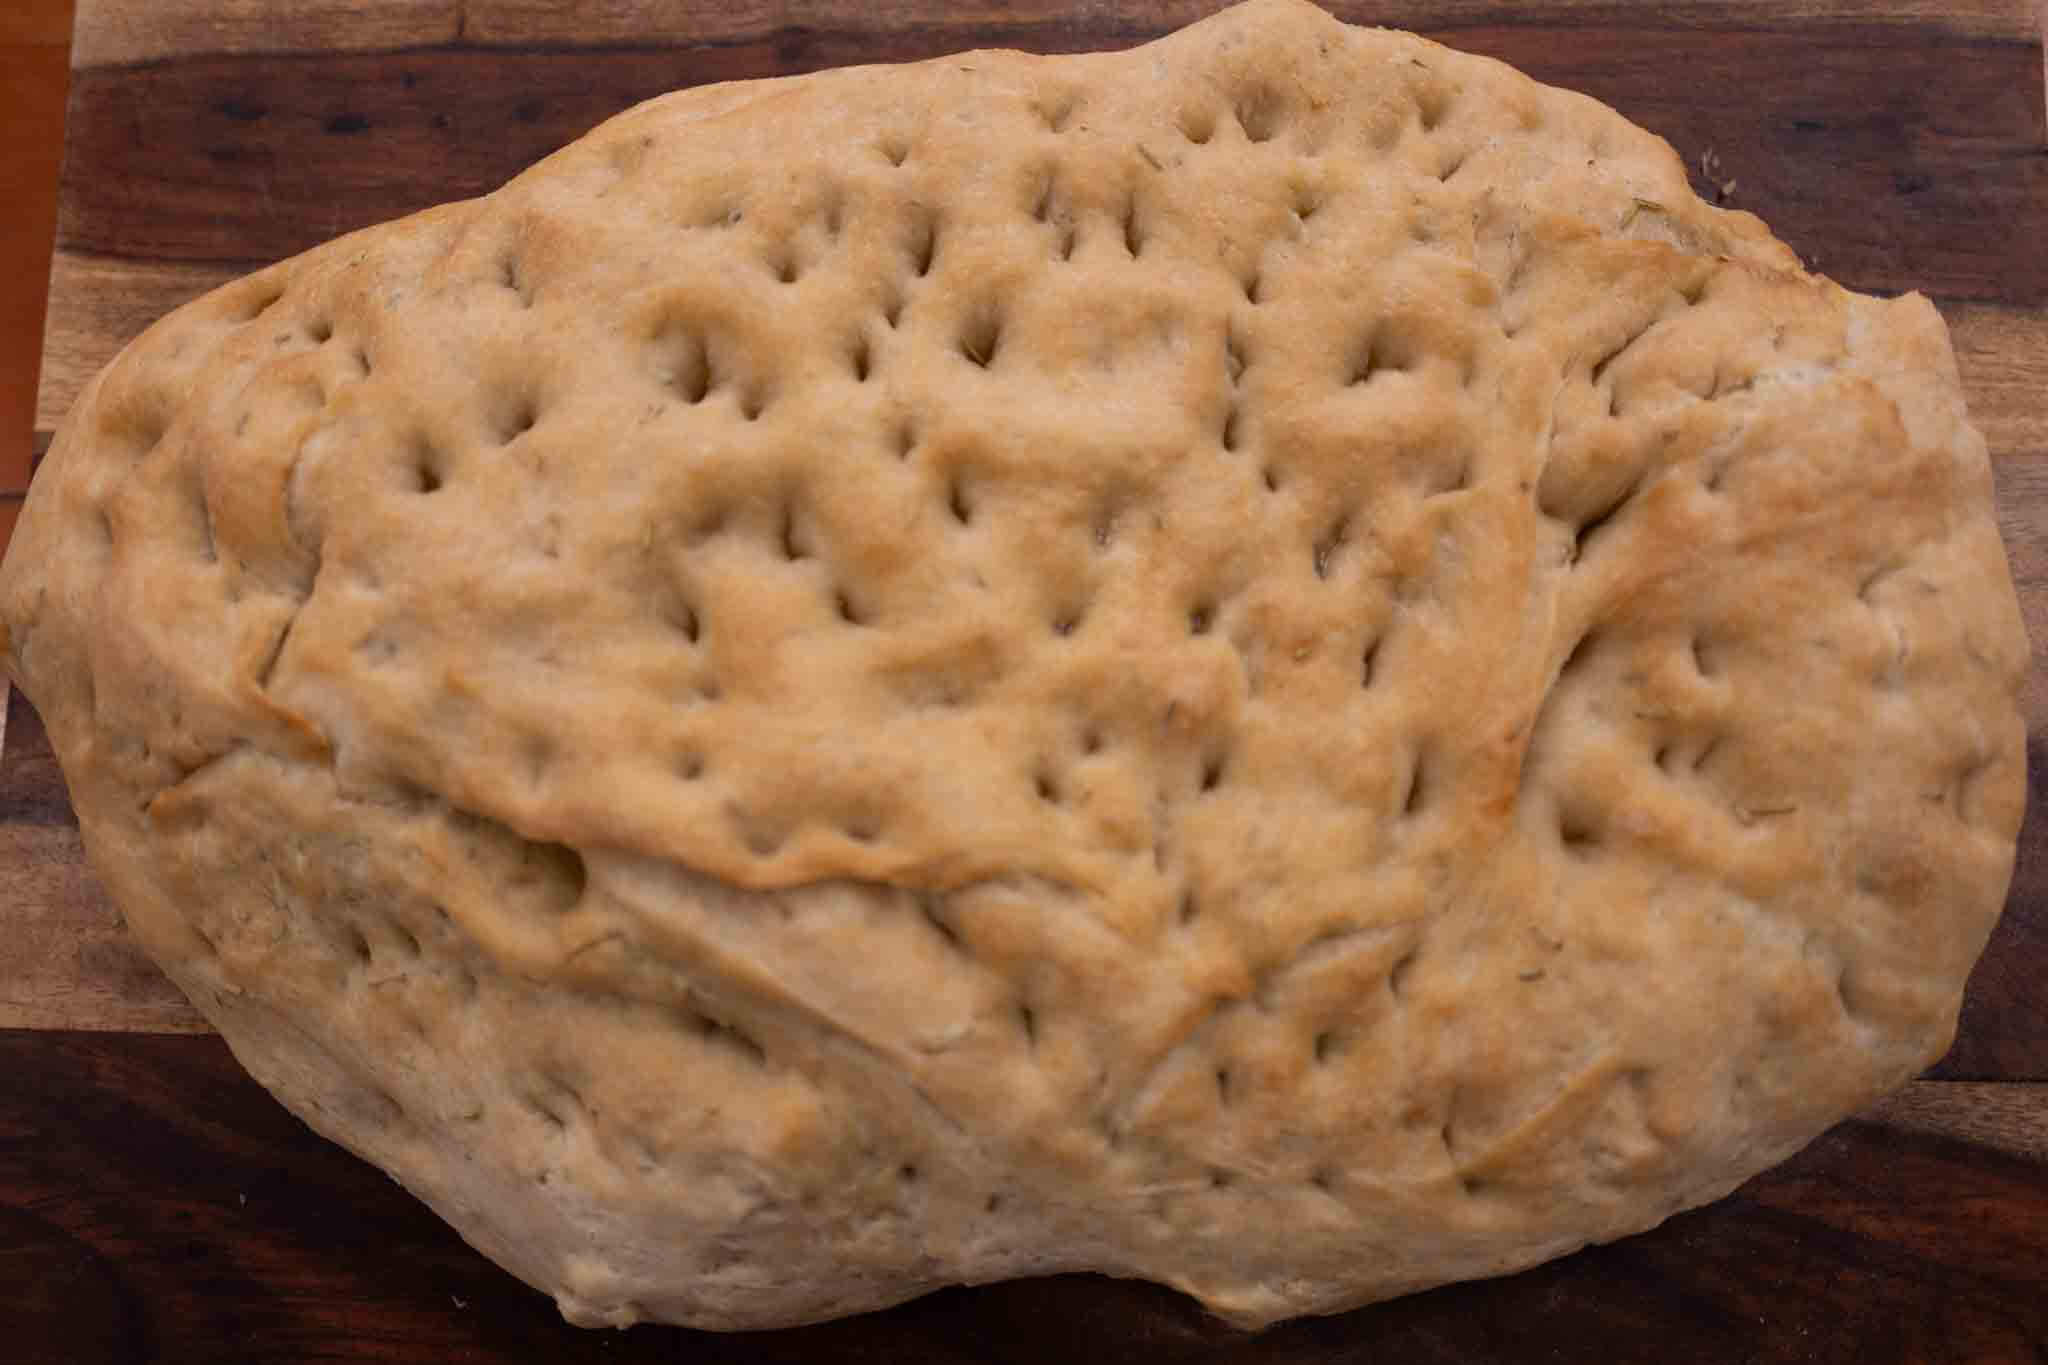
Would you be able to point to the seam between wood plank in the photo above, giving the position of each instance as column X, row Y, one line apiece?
column 239, row 264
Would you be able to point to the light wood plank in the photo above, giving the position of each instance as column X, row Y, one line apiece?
column 2008, row 1116
column 98, row 305
column 2003, row 356
column 71, row 963
column 119, row 32
column 66, row 960
column 148, row 1180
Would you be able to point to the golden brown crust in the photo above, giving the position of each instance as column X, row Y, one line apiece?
column 1271, row 662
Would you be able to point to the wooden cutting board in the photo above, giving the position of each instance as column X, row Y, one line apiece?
column 155, row 1204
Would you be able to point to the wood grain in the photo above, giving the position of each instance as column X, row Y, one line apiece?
column 66, row 960
column 119, row 32
column 2003, row 1032
column 156, row 1205
column 162, row 1207
column 1861, row 149
column 98, row 305
column 246, row 157
column 1995, row 1114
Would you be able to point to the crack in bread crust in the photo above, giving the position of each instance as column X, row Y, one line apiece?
column 1271, row 662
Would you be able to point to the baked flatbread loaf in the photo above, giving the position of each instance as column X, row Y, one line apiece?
column 1271, row 662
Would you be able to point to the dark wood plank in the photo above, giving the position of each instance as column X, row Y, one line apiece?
column 66, row 960
column 31, row 787
column 2009, row 410
column 2003, row 1033
column 10, row 513
column 159, row 1206
column 1865, row 150
column 1854, row 139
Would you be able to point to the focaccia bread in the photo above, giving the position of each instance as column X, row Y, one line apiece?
column 1271, row 662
